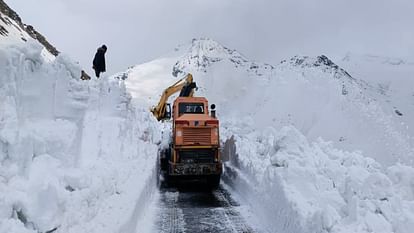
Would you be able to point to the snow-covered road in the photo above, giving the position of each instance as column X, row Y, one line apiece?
column 199, row 210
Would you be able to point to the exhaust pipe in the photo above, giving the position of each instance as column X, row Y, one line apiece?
column 213, row 110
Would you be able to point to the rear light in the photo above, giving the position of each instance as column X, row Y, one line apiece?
column 178, row 122
column 212, row 122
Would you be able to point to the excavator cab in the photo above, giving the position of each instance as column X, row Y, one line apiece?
column 185, row 86
column 192, row 108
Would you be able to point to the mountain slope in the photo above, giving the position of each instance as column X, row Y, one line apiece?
column 13, row 29
column 392, row 78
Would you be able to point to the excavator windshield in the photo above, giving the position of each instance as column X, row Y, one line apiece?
column 192, row 108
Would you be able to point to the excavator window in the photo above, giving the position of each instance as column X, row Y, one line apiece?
column 167, row 111
column 192, row 108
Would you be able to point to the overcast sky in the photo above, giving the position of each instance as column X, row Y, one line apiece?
column 136, row 31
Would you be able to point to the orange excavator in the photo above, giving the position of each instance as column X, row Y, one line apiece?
column 194, row 150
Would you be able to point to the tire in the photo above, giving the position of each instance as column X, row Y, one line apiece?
column 163, row 164
column 213, row 181
column 163, row 161
column 170, row 181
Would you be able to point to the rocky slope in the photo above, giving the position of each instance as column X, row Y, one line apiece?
column 11, row 21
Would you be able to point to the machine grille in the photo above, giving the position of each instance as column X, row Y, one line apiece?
column 197, row 156
column 197, row 136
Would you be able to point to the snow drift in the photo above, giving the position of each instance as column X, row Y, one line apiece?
column 297, row 186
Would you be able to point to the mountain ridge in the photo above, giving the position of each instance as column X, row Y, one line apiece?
column 6, row 13
column 204, row 52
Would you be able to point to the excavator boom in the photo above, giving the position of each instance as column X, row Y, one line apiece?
column 185, row 86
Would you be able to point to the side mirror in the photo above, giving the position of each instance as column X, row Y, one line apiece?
column 213, row 107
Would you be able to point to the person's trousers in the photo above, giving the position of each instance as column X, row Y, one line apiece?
column 97, row 72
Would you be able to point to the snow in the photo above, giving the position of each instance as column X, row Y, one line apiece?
column 314, row 147
column 74, row 154
column 13, row 35
column 324, row 189
column 318, row 98
column 392, row 77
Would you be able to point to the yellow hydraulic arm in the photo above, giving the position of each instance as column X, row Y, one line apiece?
column 160, row 110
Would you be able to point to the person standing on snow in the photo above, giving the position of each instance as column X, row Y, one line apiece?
column 99, row 60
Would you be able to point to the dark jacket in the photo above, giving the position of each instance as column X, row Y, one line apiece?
column 99, row 60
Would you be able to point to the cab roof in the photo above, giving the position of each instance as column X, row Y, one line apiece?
column 190, row 100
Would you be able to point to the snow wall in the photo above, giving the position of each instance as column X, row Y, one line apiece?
column 296, row 186
column 75, row 156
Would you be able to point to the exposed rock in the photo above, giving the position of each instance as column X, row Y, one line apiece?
column 7, row 11
column 398, row 112
column 322, row 62
column 37, row 36
column 3, row 31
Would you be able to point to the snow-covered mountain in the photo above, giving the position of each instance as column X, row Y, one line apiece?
column 313, row 94
column 203, row 53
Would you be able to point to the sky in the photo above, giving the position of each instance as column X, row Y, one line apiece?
column 137, row 31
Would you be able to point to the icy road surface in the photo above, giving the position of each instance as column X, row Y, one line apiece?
column 198, row 210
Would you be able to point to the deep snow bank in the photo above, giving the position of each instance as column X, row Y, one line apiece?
column 297, row 186
column 75, row 156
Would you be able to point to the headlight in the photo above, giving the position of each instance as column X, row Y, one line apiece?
column 188, row 160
